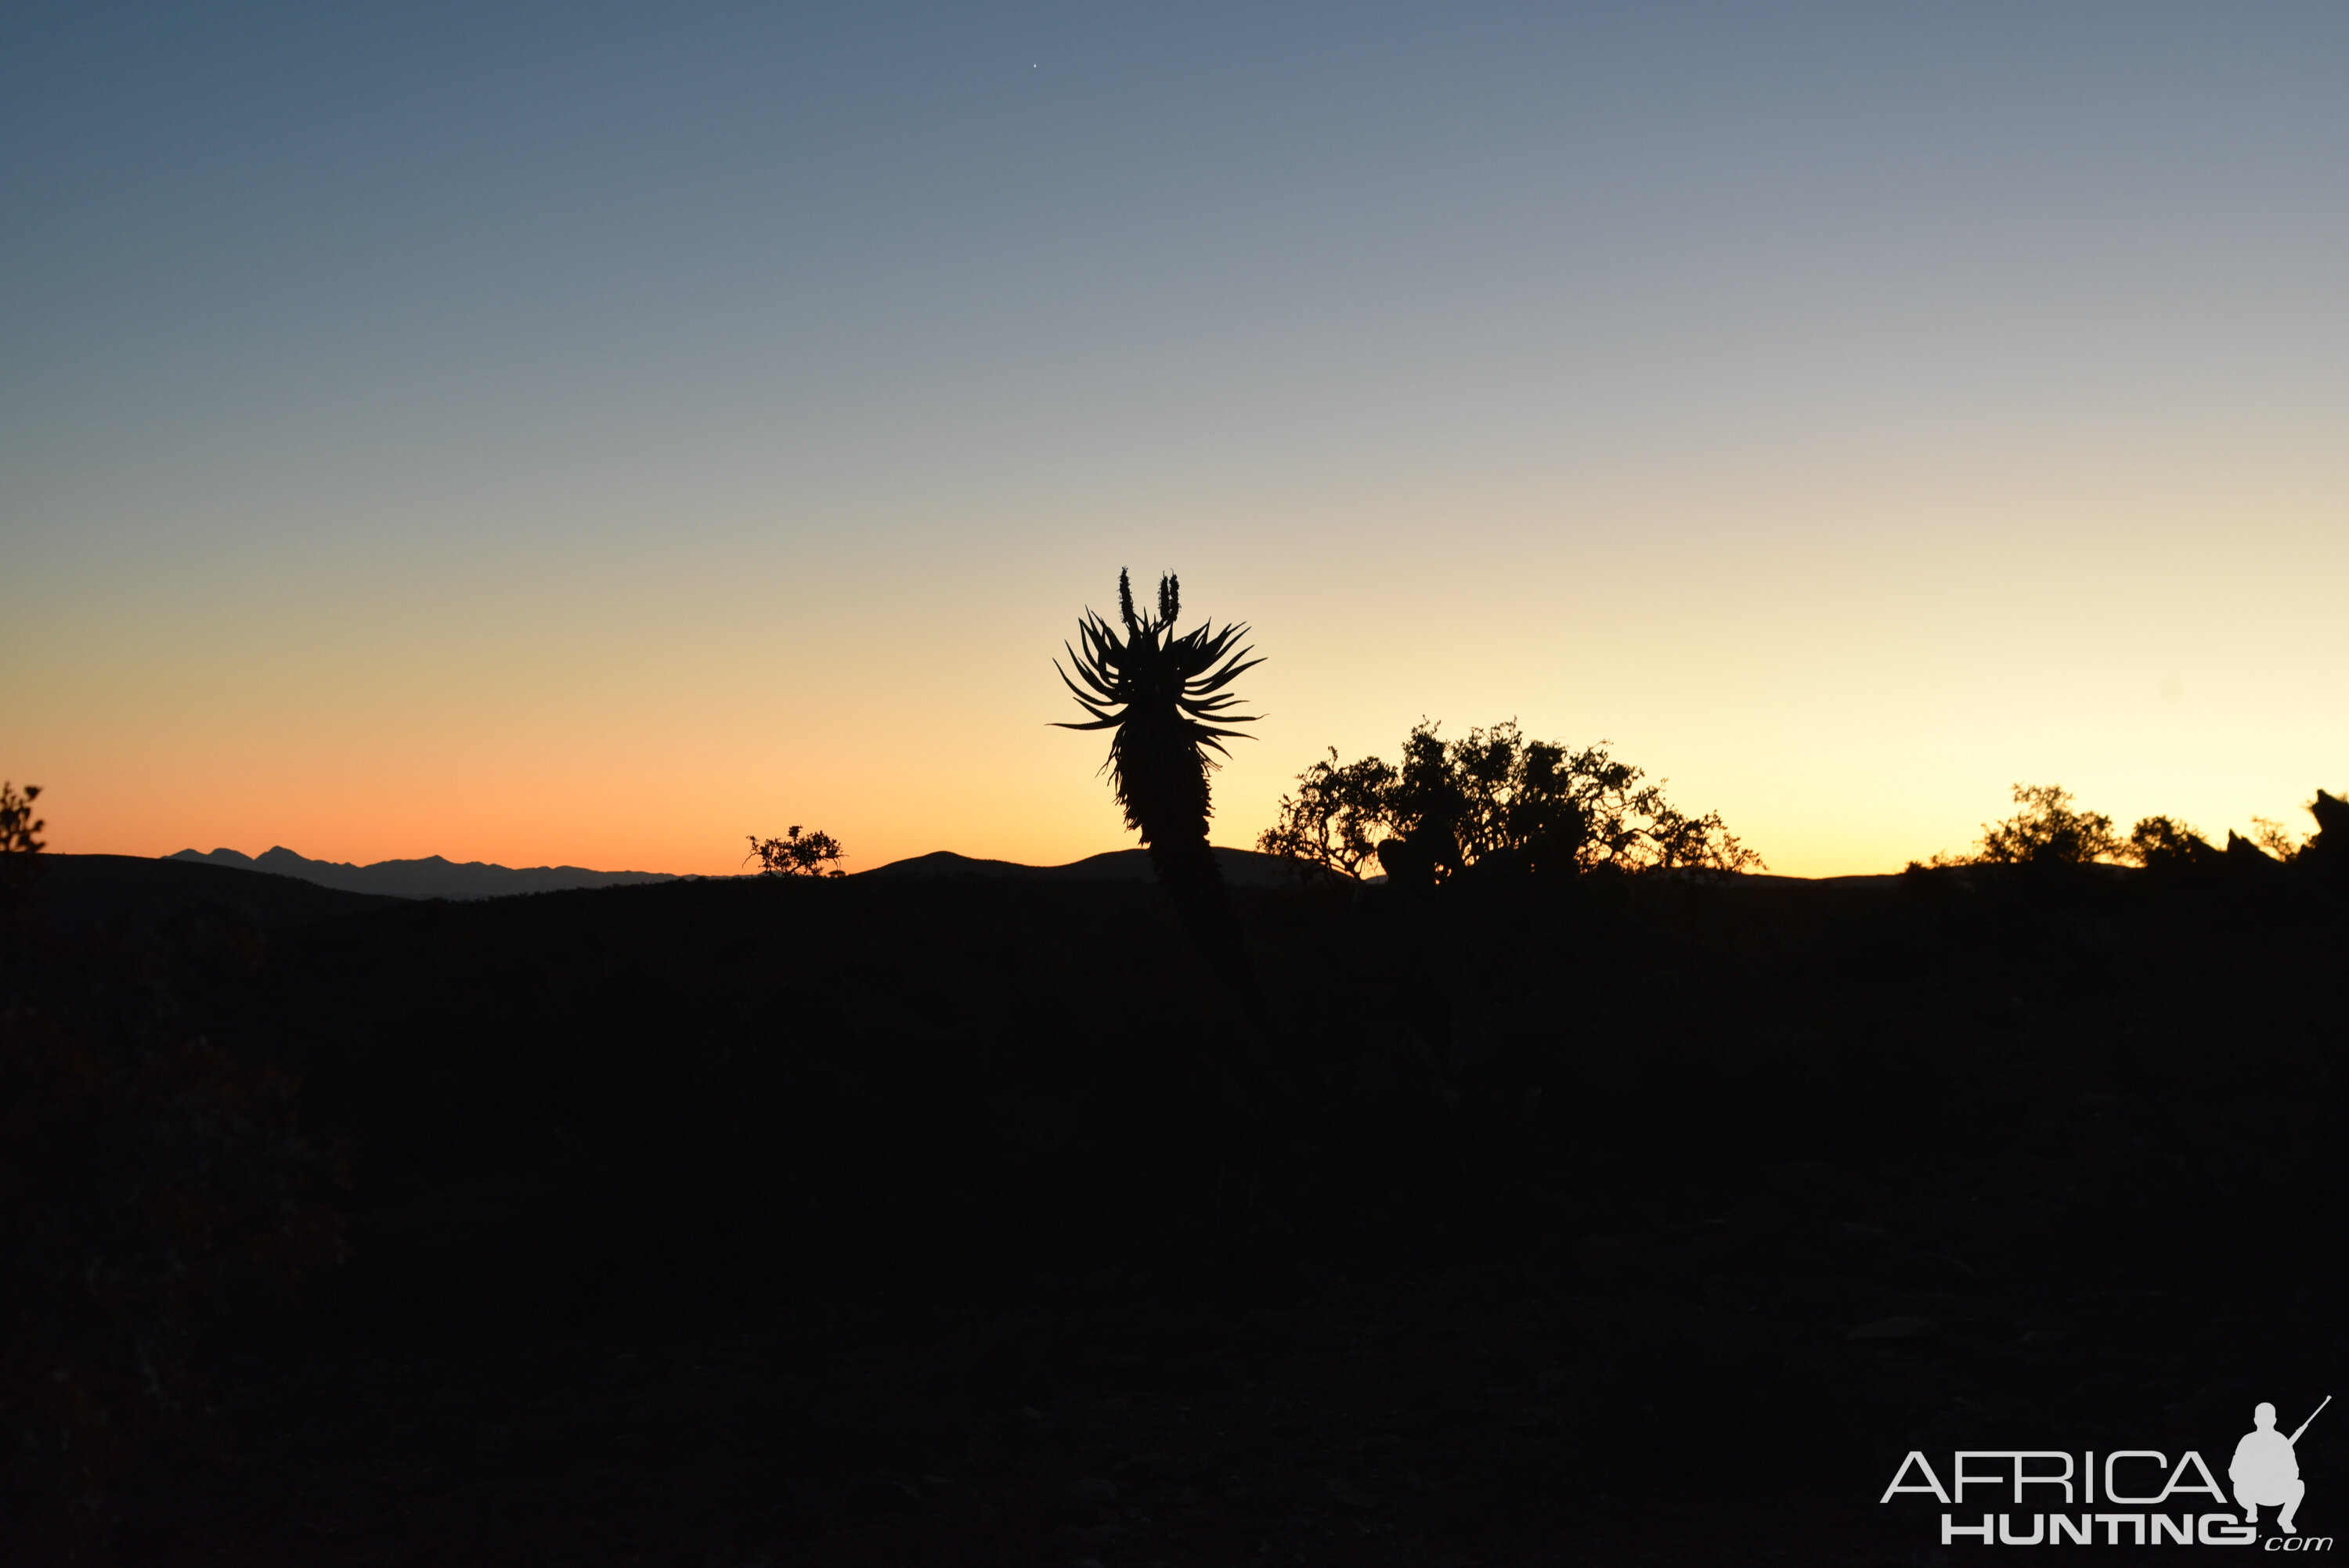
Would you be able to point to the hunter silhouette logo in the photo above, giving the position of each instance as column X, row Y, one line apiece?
column 2264, row 1473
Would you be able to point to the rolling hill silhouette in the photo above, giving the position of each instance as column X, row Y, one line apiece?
column 1241, row 868
column 82, row 891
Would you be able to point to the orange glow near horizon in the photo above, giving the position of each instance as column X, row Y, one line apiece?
column 1839, row 727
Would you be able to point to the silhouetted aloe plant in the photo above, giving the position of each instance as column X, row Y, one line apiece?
column 1165, row 698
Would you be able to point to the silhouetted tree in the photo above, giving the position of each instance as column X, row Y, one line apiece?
column 2047, row 831
column 1163, row 699
column 815, row 855
column 1337, row 818
column 2163, row 843
column 2050, row 831
column 1493, row 799
column 2273, row 839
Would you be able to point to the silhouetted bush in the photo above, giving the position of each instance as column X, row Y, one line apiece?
column 2163, row 843
column 2050, row 831
column 816, row 854
column 1493, row 798
column 20, row 846
column 2275, row 840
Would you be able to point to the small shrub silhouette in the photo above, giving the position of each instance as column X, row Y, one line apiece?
column 1163, row 699
column 18, row 825
column 815, row 855
column 20, row 844
column 1495, row 798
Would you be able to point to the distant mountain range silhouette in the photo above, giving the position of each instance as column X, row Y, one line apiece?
column 432, row 877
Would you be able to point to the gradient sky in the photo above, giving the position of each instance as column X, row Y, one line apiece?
column 569, row 433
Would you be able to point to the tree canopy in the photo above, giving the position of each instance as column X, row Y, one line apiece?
column 1493, row 797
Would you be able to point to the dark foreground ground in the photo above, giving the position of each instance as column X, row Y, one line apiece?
column 962, row 1221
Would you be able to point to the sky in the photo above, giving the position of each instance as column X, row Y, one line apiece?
column 592, row 435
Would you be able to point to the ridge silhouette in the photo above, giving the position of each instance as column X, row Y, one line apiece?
column 1239, row 868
